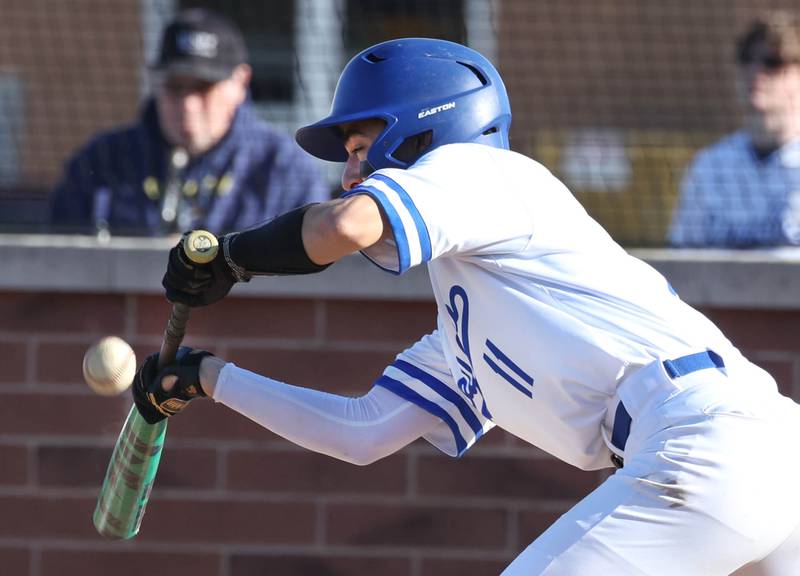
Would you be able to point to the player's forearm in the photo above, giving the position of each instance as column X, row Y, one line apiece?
column 305, row 240
column 275, row 247
column 357, row 430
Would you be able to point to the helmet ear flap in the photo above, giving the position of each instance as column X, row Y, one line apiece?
column 413, row 147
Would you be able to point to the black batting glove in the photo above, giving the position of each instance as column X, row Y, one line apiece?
column 152, row 401
column 200, row 284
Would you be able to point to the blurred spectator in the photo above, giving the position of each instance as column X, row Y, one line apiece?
column 744, row 190
column 198, row 157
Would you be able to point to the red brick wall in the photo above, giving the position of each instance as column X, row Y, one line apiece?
column 232, row 499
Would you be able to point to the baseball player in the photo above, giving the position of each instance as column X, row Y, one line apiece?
column 546, row 328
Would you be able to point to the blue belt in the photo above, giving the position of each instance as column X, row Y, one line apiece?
column 675, row 368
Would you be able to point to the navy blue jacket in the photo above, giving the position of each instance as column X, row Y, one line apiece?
column 253, row 174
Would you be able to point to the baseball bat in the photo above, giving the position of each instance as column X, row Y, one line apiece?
column 134, row 462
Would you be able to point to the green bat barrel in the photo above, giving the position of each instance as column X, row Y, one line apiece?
column 129, row 478
column 134, row 462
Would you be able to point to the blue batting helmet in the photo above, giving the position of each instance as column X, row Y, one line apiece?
column 429, row 92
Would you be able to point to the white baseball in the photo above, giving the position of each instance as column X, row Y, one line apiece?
column 109, row 366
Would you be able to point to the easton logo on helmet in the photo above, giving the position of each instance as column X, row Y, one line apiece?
column 436, row 109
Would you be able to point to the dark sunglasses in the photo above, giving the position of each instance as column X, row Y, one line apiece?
column 771, row 62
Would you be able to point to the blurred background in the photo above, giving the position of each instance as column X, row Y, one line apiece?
column 613, row 96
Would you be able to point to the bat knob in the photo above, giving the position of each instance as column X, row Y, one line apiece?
column 200, row 246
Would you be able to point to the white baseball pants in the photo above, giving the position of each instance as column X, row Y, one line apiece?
column 710, row 485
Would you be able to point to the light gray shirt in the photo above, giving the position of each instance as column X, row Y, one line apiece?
column 731, row 197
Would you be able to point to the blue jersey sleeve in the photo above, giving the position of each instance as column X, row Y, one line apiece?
column 421, row 376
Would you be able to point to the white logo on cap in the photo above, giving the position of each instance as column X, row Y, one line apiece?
column 202, row 44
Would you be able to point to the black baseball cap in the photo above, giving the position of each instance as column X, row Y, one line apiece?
column 201, row 44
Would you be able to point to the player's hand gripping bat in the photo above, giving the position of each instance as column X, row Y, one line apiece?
column 134, row 461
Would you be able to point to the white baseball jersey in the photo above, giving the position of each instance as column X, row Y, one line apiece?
column 541, row 313
column 731, row 197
